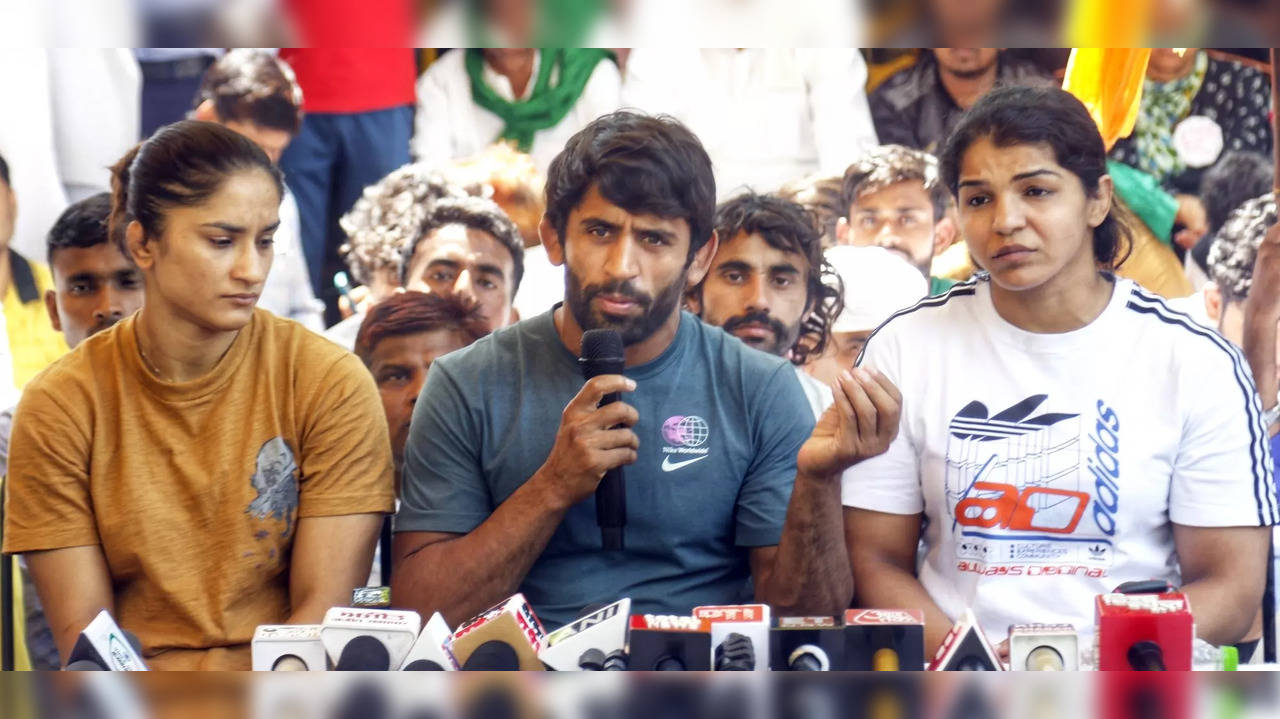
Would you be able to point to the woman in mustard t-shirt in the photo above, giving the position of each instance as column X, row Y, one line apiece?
column 203, row 466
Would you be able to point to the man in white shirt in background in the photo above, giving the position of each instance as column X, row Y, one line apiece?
column 766, row 116
column 537, row 99
column 769, row 286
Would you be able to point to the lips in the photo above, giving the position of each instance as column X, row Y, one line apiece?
column 1011, row 251
column 616, row 304
column 753, row 331
column 242, row 299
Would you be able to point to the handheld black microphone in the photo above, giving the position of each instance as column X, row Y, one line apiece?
column 492, row 656
column 602, row 354
column 364, row 654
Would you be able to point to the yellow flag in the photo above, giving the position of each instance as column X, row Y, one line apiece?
column 1108, row 80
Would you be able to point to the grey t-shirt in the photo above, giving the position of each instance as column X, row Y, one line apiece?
column 720, row 426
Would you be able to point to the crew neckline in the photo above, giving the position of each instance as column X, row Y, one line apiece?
column 200, row 387
column 1051, row 342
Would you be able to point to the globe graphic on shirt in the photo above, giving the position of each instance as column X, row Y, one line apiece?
column 686, row 431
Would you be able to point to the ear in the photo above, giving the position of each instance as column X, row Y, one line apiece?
column 514, row 317
column 693, row 301
column 944, row 234
column 51, row 306
column 551, row 242
column 205, row 112
column 1213, row 301
column 842, row 231
column 142, row 250
column 702, row 260
column 1099, row 205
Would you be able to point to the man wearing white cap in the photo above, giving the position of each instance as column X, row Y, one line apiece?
column 877, row 283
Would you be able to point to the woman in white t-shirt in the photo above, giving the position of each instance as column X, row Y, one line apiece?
column 1063, row 431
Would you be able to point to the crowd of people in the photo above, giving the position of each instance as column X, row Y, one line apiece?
column 917, row 340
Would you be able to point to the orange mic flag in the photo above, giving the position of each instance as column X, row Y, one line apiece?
column 1108, row 80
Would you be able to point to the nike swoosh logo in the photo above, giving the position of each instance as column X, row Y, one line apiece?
column 669, row 466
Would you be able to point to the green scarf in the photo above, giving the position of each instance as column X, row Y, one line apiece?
column 547, row 104
column 1164, row 105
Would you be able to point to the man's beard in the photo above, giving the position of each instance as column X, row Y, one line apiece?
column 654, row 311
column 783, row 336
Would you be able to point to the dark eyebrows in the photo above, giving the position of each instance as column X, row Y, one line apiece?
column 666, row 235
column 590, row 222
column 490, row 269
column 1033, row 173
column 734, row 266
column 1016, row 178
column 237, row 229
column 785, row 268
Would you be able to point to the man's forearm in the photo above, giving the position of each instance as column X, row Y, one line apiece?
column 810, row 573
column 462, row 577
column 881, row 585
column 1223, row 613
column 1260, row 351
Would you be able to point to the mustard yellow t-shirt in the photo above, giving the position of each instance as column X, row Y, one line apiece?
column 194, row 490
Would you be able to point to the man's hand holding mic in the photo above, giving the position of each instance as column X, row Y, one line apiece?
column 592, row 439
column 861, row 424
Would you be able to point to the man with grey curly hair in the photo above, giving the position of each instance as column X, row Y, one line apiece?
column 1232, row 258
column 381, row 227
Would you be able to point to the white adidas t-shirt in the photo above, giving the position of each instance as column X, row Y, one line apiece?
column 1049, row 466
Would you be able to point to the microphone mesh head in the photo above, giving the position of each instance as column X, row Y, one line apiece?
column 601, row 343
column 364, row 654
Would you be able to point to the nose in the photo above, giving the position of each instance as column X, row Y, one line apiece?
column 757, row 297
column 885, row 236
column 621, row 261
column 1009, row 217
column 110, row 308
column 252, row 264
column 464, row 288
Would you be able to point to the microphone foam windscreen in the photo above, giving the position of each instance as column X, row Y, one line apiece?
column 364, row 654
column 601, row 343
column 492, row 656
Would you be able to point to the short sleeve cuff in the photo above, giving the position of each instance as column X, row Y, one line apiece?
column 870, row 493
column 18, row 543
column 757, row 536
column 452, row 522
column 379, row 503
column 1207, row 515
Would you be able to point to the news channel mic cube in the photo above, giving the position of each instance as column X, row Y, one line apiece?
column 966, row 648
column 749, row 620
column 1044, row 647
column 273, row 642
column 884, row 640
column 658, row 636
column 511, row 621
column 1126, row 619
column 396, row 629
column 791, row 633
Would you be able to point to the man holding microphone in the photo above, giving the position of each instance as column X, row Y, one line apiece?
column 728, row 479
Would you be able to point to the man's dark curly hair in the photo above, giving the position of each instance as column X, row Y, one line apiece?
column 789, row 227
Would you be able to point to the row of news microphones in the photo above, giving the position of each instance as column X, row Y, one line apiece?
column 1133, row 632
